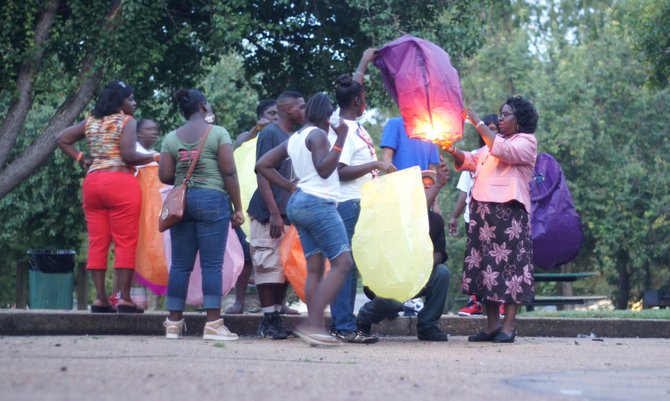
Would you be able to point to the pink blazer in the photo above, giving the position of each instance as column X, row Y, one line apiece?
column 503, row 173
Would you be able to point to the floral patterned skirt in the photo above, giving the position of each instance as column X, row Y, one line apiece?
column 498, row 262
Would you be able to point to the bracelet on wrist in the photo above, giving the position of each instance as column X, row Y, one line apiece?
column 480, row 123
column 80, row 156
column 336, row 148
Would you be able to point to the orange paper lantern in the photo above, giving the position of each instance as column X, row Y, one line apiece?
column 294, row 262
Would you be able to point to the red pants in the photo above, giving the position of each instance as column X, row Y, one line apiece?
column 112, row 204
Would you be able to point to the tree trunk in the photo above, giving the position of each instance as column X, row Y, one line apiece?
column 38, row 152
column 23, row 99
column 623, row 293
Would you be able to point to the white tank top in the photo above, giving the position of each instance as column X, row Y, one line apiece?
column 309, row 180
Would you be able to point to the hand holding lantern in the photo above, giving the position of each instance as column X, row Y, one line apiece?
column 471, row 117
column 386, row 167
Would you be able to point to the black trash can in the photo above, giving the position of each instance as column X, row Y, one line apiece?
column 50, row 278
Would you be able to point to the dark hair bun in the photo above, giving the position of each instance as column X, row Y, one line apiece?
column 182, row 96
column 344, row 80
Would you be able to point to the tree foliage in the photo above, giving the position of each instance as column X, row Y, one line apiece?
column 648, row 23
column 305, row 45
column 581, row 66
column 55, row 55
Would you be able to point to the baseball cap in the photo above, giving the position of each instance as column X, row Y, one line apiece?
column 428, row 175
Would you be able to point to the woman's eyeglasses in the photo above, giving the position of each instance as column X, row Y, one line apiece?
column 504, row 115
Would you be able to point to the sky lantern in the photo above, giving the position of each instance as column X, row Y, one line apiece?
column 427, row 89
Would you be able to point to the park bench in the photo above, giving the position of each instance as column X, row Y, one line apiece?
column 657, row 297
column 560, row 300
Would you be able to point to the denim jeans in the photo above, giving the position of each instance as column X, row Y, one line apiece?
column 319, row 225
column 435, row 293
column 342, row 307
column 204, row 229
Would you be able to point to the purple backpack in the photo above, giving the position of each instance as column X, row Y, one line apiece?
column 556, row 226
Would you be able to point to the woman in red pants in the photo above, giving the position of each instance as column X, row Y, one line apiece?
column 111, row 193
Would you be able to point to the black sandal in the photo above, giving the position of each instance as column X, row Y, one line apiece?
column 505, row 338
column 101, row 309
column 129, row 309
column 483, row 336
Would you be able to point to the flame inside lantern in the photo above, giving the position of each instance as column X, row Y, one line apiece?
column 442, row 128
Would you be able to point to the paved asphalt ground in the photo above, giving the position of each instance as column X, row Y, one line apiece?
column 148, row 368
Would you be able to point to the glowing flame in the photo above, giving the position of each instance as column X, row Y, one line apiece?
column 444, row 129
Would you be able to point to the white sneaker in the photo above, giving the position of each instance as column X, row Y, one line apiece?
column 217, row 331
column 173, row 330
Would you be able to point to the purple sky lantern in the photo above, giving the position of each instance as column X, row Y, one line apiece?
column 427, row 89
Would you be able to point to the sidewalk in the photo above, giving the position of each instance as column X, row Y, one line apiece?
column 15, row 322
column 151, row 368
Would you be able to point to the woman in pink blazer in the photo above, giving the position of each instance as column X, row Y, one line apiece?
column 498, row 264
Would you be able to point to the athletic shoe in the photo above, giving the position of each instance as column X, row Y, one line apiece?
column 412, row 307
column 217, row 331
column 365, row 328
column 502, row 310
column 174, row 330
column 272, row 326
column 474, row 310
column 432, row 334
column 355, row 337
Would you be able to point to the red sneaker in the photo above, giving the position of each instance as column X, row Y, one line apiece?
column 474, row 310
column 502, row 310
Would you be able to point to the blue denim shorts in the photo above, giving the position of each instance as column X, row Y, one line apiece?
column 319, row 224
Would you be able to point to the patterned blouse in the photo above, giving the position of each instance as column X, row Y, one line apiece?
column 104, row 139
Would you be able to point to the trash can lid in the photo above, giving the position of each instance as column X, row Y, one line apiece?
column 51, row 252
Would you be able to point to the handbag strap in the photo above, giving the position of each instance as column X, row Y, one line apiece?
column 197, row 154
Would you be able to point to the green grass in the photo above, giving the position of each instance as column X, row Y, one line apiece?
column 602, row 314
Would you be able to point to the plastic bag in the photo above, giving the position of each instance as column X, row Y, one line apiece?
column 245, row 162
column 293, row 260
column 151, row 269
column 392, row 245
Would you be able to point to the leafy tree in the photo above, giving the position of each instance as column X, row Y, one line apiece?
column 54, row 57
column 231, row 95
column 580, row 63
column 72, row 47
column 305, row 45
column 648, row 23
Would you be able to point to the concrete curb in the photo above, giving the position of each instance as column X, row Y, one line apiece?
column 21, row 323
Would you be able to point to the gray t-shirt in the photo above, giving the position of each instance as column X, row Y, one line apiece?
column 270, row 137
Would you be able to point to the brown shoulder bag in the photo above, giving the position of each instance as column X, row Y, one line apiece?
column 175, row 202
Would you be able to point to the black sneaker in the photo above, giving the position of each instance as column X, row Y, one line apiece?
column 433, row 334
column 355, row 337
column 365, row 328
column 272, row 327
